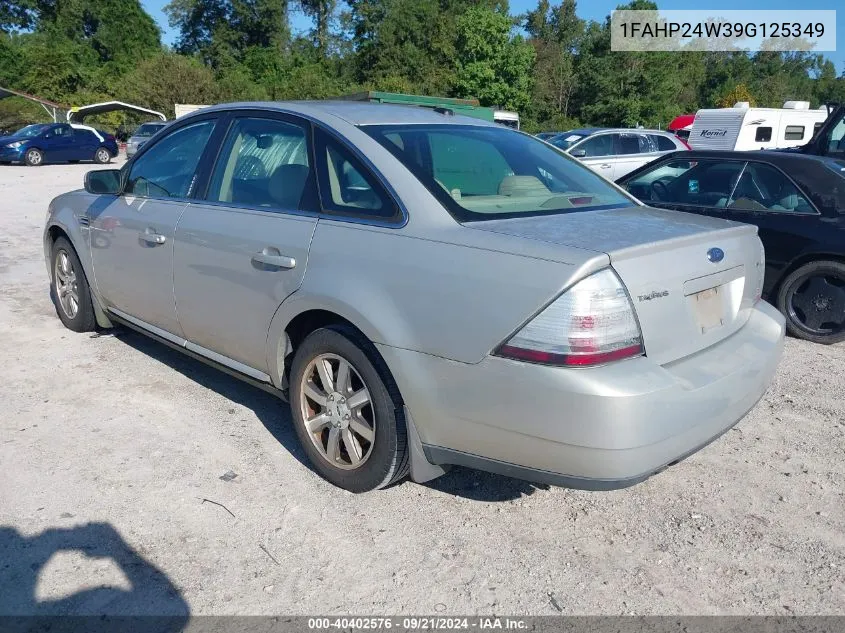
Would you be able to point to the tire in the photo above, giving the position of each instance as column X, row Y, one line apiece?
column 102, row 156
column 68, row 276
column 382, row 461
column 34, row 157
column 812, row 298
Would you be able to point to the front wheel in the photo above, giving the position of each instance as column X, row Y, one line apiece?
column 347, row 410
column 33, row 157
column 812, row 298
column 70, row 291
column 102, row 156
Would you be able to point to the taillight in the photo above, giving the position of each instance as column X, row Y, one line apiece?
column 590, row 324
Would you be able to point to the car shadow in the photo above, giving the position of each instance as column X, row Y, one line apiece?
column 478, row 485
column 273, row 412
column 24, row 569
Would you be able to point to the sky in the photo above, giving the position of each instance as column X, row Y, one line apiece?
column 599, row 9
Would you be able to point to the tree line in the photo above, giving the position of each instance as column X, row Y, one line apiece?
column 553, row 67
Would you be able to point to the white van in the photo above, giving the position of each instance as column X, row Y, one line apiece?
column 744, row 128
column 507, row 118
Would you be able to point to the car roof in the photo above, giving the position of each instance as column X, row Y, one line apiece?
column 770, row 156
column 355, row 112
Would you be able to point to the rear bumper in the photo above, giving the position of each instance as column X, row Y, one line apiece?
column 598, row 428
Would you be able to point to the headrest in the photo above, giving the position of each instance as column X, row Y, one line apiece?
column 287, row 184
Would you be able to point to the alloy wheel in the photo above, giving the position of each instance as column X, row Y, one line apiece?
column 102, row 156
column 817, row 304
column 67, row 290
column 337, row 411
column 34, row 157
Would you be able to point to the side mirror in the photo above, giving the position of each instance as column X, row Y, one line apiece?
column 103, row 181
column 578, row 153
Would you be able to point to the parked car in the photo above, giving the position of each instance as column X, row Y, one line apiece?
column 797, row 202
column 615, row 152
column 426, row 289
column 140, row 136
column 55, row 143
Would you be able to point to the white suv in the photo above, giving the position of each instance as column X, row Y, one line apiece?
column 616, row 152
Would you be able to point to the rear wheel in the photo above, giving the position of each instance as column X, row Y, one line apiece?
column 102, row 156
column 70, row 292
column 34, row 157
column 347, row 410
column 813, row 300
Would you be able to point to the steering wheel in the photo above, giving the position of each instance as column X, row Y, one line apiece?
column 659, row 190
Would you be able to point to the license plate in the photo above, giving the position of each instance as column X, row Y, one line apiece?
column 708, row 308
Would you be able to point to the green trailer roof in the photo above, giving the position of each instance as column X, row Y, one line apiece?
column 467, row 107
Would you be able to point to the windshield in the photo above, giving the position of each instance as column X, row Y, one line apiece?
column 484, row 173
column 147, row 129
column 566, row 139
column 30, row 131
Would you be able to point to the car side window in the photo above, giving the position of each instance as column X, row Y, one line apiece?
column 346, row 186
column 765, row 188
column 598, row 145
column 631, row 144
column 706, row 183
column 264, row 163
column 836, row 143
column 662, row 143
column 166, row 169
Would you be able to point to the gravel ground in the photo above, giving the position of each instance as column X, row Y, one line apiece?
column 109, row 446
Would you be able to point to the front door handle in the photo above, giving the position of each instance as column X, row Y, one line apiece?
column 272, row 257
column 151, row 237
column 604, row 166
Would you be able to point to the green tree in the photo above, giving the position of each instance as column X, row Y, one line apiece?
column 167, row 79
column 492, row 64
column 220, row 31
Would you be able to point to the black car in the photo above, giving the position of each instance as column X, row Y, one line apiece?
column 798, row 203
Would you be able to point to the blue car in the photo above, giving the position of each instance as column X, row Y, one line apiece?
column 57, row 143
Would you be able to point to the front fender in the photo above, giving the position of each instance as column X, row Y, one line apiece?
column 64, row 214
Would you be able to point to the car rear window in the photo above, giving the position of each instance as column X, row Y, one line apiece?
column 147, row 129
column 485, row 173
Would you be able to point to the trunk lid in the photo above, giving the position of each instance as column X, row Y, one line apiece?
column 692, row 279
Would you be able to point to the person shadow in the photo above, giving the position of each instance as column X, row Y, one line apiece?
column 152, row 602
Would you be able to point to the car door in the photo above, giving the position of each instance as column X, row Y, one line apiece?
column 132, row 234
column 85, row 144
column 59, row 143
column 787, row 221
column 243, row 248
column 597, row 153
column 633, row 150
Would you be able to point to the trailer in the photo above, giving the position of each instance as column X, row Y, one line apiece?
column 745, row 128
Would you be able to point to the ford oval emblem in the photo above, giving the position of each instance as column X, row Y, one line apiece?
column 715, row 255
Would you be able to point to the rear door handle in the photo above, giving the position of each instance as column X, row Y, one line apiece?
column 272, row 257
column 604, row 166
column 151, row 237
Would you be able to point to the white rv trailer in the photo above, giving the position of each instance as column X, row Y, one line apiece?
column 182, row 109
column 744, row 128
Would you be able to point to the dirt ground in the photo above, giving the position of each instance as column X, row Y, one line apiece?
column 136, row 480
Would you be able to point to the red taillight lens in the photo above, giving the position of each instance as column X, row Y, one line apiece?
column 590, row 324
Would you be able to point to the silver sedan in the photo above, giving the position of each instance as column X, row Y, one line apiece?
column 425, row 290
